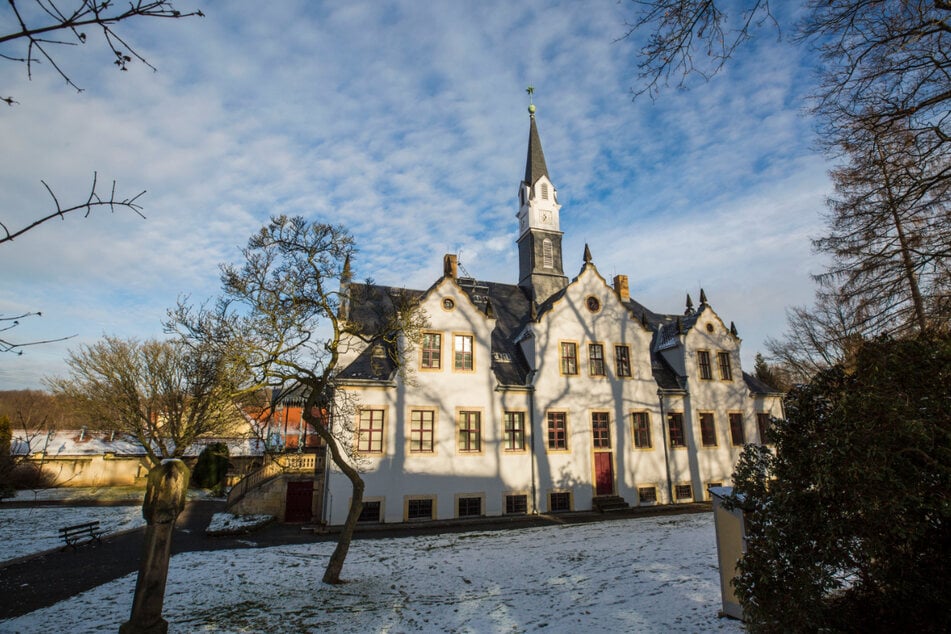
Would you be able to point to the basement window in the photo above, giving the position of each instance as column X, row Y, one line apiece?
column 647, row 495
column 516, row 504
column 559, row 502
column 470, row 507
column 370, row 512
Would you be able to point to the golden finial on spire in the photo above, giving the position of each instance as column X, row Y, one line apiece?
column 531, row 106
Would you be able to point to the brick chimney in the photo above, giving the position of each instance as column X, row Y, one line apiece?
column 621, row 288
column 450, row 266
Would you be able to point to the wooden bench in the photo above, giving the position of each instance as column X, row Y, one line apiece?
column 80, row 534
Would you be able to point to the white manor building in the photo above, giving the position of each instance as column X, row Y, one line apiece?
column 552, row 394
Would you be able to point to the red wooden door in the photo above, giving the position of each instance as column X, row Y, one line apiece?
column 300, row 497
column 604, row 473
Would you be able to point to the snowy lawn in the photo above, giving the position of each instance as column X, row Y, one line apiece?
column 82, row 494
column 24, row 531
column 641, row 575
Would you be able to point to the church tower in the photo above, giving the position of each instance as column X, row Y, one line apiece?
column 539, row 237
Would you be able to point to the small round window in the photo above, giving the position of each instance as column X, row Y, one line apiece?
column 709, row 327
column 448, row 304
column 593, row 304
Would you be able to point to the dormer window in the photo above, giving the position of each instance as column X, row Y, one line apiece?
column 544, row 191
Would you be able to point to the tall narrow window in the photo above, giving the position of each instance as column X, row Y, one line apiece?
column 462, row 352
column 431, row 351
column 708, row 430
column 703, row 360
column 370, row 433
column 569, row 357
column 642, row 430
column 723, row 362
column 513, row 435
column 548, row 254
column 622, row 360
column 544, row 191
column 470, row 431
column 422, row 423
column 596, row 359
column 762, row 422
column 600, row 430
column 557, row 430
column 737, row 435
column 675, row 423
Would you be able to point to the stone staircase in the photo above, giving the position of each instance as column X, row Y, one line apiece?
column 275, row 466
column 609, row 503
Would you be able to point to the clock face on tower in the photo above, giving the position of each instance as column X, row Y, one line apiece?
column 546, row 217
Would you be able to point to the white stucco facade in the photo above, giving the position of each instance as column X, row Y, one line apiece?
column 548, row 395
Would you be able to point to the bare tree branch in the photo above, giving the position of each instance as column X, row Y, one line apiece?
column 9, row 323
column 94, row 199
column 37, row 28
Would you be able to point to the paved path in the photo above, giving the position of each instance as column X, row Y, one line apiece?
column 34, row 582
column 38, row 581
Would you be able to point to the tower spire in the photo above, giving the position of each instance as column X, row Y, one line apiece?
column 535, row 166
column 539, row 242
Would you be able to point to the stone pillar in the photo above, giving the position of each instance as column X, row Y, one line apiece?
column 164, row 500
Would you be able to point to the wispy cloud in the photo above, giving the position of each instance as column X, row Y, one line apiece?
column 406, row 122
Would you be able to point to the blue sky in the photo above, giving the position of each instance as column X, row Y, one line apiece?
column 406, row 122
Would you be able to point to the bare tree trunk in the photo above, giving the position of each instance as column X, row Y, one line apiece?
column 909, row 268
column 339, row 555
column 910, row 274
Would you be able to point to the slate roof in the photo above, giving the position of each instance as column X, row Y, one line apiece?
column 665, row 376
column 535, row 166
column 511, row 307
column 370, row 306
column 758, row 387
column 506, row 302
column 512, row 311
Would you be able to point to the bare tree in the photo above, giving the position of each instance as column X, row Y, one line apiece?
column 36, row 409
column 166, row 393
column 690, row 37
column 889, row 233
column 822, row 336
column 773, row 375
column 883, row 104
column 884, row 62
column 284, row 307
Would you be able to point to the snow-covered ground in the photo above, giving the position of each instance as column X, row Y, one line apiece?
column 24, row 531
column 641, row 575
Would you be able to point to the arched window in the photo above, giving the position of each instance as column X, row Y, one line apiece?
column 548, row 254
